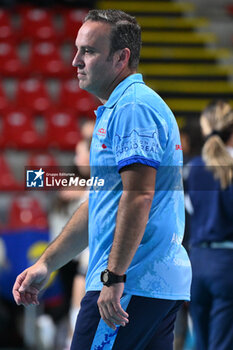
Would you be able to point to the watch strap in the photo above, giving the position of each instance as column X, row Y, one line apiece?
column 108, row 278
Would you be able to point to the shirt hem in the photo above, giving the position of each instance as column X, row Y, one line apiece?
column 185, row 297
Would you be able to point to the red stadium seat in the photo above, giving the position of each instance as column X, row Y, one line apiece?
column 62, row 129
column 33, row 94
column 72, row 96
column 23, row 8
column 3, row 100
column 46, row 60
column 10, row 64
column 4, row 17
column 19, row 130
column 26, row 212
column 73, row 19
column 6, row 30
column 230, row 9
column 1, row 135
column 7, row 178
column 43, row 160
column 37, row 24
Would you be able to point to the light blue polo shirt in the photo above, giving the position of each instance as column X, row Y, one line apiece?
column 136, row 126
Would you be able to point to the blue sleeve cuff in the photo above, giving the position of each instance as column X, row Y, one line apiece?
column 138, row 159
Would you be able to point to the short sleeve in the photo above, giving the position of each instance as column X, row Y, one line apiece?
column 140, row 135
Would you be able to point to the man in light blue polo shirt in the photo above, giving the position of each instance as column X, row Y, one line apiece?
column 140, row 129
column 138, row 273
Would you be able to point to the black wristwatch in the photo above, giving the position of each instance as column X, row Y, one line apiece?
column 108, row 278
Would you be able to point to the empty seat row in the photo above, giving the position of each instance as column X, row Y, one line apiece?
column 26, row 212
column 33, row 95
column 40, row 24
column 8, row 182
column 35, row 160
column 45, row 59
column 19, row 130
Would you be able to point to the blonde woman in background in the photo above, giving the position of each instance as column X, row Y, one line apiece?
column 210, row 188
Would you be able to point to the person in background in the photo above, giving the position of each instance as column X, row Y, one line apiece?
column 191, row 142
column 210, row 188
column 139, row 273
column 87, row 129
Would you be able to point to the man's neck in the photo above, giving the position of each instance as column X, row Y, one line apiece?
column 119, row 78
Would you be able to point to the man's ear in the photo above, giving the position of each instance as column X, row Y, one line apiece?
column 123, row 57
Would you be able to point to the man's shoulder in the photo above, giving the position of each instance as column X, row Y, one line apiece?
column 142, row 95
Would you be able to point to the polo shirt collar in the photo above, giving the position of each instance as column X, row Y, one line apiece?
column 120, row 89
column 118, row 92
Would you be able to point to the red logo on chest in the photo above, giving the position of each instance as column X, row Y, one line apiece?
column 178, row 147
column 101, row 132
column 104, row 146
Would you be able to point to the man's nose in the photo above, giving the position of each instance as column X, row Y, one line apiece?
column 77, row 61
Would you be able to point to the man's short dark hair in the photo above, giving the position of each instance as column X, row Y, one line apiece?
column 126, row 32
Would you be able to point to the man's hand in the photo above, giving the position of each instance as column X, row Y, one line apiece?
column 29, row 283
column 110, row 307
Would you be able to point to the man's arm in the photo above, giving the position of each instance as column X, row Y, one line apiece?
column 133, row 212
column 72, row 240
column 132, row 216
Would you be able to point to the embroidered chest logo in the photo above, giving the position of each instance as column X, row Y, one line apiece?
column 178, row 147
column 101, row 132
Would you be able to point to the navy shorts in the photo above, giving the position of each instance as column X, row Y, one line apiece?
column 150, row 327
